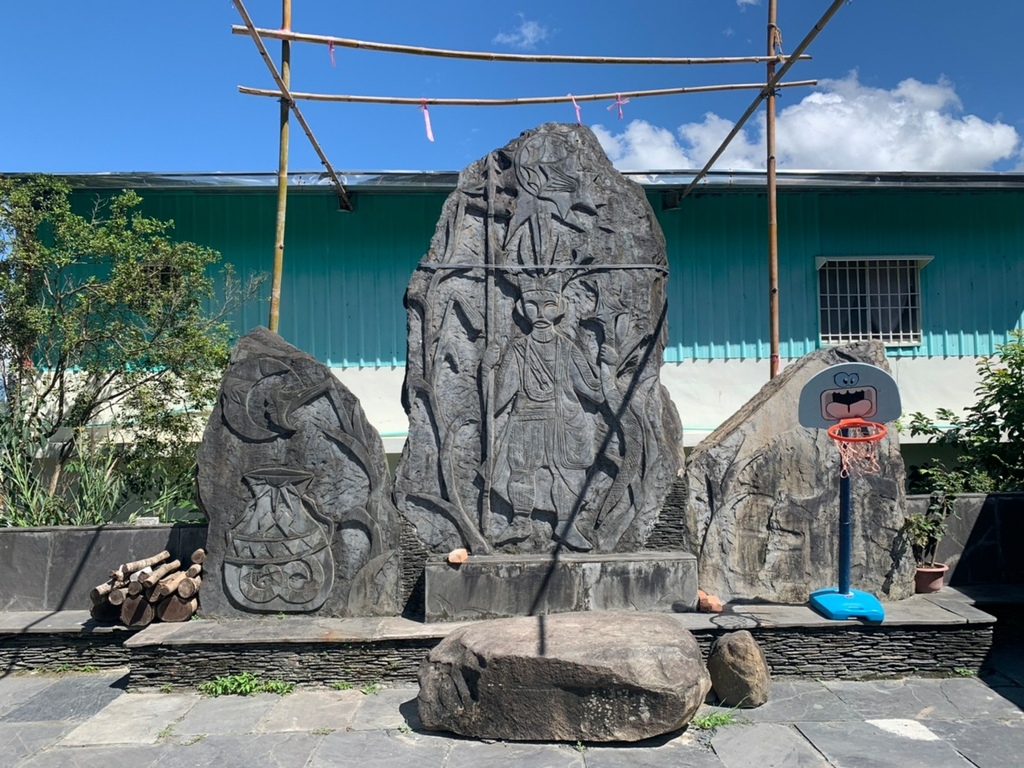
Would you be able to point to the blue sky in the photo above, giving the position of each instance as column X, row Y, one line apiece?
column 125, row 85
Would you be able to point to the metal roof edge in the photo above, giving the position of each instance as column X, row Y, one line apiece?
column 651, row 180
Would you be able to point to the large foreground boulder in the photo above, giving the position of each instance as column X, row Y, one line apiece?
column 569, row 677
column 762, row 499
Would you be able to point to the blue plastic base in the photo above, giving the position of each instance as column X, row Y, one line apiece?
column 855, row 605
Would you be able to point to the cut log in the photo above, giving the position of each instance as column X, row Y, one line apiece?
column 166, row 586
column 189, row 586
column 105, row 612
column 99, row 594
column 150, row 579
column 199, row 556
column 137, row 611
column 176, row 608
column 135, row 588
column 194, row 570
column 123, row 571
column 140, row 573
column 117, row 596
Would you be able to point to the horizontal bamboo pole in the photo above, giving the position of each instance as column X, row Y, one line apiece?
column 250, row 29
column 344, row 42
column 512, row 102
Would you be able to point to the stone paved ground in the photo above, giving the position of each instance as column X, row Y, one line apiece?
column 87, row 719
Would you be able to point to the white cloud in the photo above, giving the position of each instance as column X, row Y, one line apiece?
column 744, row 3
column 526, row 36
column 642, row 147
column 843, row 125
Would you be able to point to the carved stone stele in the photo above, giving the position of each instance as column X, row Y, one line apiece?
column 294, row 482
column 536, row 329
column 762, row 499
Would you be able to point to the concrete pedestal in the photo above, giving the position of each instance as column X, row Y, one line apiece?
column 499, row 586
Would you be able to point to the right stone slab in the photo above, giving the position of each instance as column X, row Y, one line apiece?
column 762, row 499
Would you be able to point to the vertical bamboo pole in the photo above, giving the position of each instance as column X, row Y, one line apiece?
column 282, row 171
column 773, row 227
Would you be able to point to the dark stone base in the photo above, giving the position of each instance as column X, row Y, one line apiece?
column 501, row 586
column 860, row 653
column 306, row 664
column 60, row 653
column 55, row 568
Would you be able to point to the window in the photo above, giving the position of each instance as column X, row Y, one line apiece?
column 861, row 298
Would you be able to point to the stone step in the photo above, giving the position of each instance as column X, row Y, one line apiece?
column 941, row 634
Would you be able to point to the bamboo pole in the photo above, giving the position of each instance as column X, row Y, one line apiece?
column 343, row 200
column 774, row 41
column 282, row 171
column 772, row 83
column 513, row 102
column 342, row 42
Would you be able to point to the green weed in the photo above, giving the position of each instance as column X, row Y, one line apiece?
column 244, row 684
column 712, row 720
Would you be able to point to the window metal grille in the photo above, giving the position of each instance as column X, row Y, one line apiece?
column 861, row 299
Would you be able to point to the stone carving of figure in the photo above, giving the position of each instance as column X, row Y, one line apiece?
column 547, row 445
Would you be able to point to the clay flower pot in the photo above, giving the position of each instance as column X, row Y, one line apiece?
column 929, row 577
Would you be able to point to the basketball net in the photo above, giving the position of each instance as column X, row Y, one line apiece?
column 857, row 441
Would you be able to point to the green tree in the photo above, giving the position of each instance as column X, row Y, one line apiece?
column 989, row 437
column 109, row 354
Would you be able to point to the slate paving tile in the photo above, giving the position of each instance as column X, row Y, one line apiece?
column 98, row 757
column 17, row 689
column 863, row 745
column 792, row 701
column 270, row 750
column 915, row 698
column 684, row 751
column 500, row 754
column 224, row 715
column 138, row 718
column 311, row 711
column 765, row 745
column 985, row 744
column 22, row 740
column 380, row 749
column 73, row 698
column 924, row 699
column 389, row 708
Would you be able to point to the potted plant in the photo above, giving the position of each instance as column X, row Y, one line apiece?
column 925, row 530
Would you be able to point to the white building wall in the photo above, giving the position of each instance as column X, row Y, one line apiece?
column 706, row 392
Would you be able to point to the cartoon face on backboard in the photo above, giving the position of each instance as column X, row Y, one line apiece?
column 848, row 400
column 849, row 391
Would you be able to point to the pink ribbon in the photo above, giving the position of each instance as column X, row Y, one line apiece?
column 426, row 119
column 619, row 102
column 577, row 108
column 330, row 50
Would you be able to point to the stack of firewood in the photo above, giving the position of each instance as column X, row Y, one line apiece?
column 155, row 588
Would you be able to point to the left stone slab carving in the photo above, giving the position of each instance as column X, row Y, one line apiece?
column 295, row 485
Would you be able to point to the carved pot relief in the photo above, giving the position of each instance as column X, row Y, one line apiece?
column 278, row 556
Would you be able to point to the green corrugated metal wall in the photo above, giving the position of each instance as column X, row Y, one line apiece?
column 345, row 273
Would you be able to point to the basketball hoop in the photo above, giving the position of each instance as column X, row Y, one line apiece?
column 857, row 441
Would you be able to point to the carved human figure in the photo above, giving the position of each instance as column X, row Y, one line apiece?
column 547, row 445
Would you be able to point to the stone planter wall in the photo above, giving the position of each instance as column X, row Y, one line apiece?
column 983, row 541
column 54, row 569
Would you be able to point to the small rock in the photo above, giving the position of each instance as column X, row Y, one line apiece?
column 739, row 671
column 457, row 556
